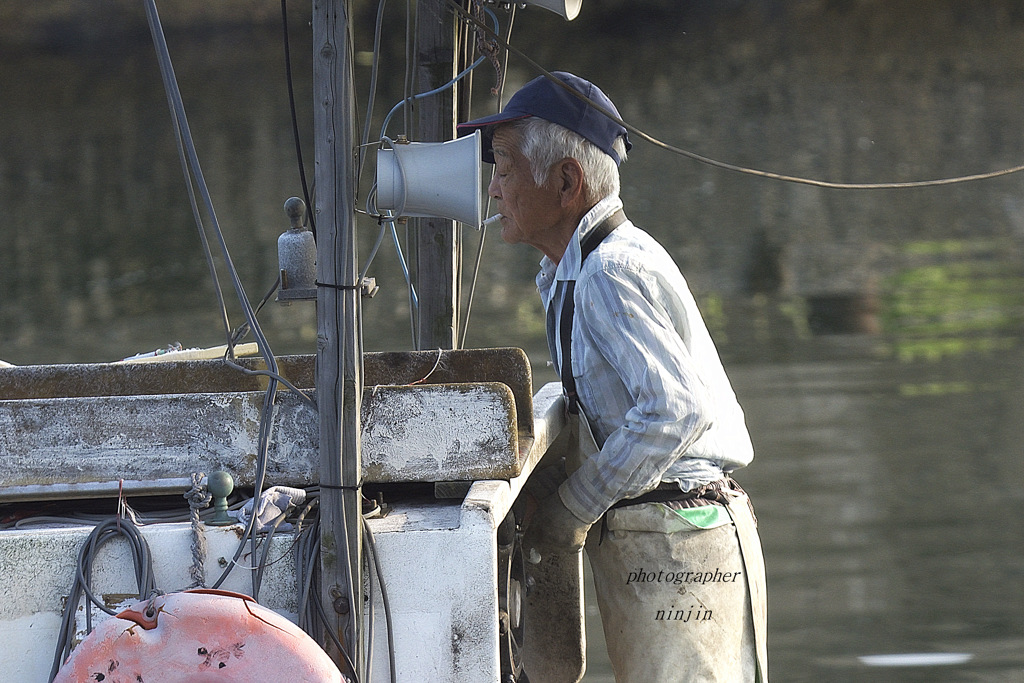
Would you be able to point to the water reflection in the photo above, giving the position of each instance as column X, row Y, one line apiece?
column 885, row 513
column 874, row 339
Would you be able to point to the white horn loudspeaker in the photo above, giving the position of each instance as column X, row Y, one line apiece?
column 432, row 179
column 567, row 9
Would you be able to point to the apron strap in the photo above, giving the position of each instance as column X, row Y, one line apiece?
column 587, row 245
column 738, row 506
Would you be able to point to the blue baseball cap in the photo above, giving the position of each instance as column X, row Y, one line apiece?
column 551, row 102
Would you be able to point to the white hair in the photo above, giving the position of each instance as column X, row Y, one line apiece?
column 544, row 143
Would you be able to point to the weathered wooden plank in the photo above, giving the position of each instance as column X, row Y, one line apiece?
column 444, row 432
column 71, row 447
column 507, row 365
column 437, row 239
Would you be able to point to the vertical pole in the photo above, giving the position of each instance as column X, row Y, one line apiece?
column 339, row 339
column 437, row 240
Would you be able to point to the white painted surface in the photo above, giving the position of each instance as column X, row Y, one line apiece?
column 439, row 560
column 441, row 583
column 39, row 567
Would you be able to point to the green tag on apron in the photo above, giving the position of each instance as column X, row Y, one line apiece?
column 705, row 516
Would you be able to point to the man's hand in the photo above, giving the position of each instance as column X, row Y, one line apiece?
column 554, row 529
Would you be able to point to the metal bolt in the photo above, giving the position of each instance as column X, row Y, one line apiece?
column 341, row 605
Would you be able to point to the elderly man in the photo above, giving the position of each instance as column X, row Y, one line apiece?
column 670, row 536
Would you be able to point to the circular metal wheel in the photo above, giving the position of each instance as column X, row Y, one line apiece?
column 511, row 599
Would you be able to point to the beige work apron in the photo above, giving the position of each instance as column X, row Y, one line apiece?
column 703, row 616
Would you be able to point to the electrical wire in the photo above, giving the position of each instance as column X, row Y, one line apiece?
column 409, row 99
column 265, row 560
column 436, row 91
column 354, row 592
column 374, row 68
column 483, row 228
column 411, row 39
column 373, row 252
column 371, row 615
column 405, row 267
column 312, row 618
column 307, row 564
column 303, row 396
column 193, row 173
column 197, row 217
column 414, row 305
column 371, row 546
column 110, row 529
column 295, row 118
column 722, row 164
column 140, row 519
column 238, row 334
column 410, row 49
column 322, row 613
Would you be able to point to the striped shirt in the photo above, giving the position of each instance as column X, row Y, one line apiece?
column 648, row 375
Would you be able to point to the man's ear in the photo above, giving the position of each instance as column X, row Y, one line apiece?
column 571, row 181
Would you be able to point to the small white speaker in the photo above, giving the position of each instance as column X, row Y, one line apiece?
column 567, row 9
column 432, row 179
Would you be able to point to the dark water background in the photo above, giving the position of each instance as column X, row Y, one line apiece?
column 874, row 337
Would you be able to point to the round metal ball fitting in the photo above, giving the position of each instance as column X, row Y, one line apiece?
column 220, row 484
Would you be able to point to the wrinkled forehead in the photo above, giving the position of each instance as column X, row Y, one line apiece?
column 505, row 134
column 503, row 141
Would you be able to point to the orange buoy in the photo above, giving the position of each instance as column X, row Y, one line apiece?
column 201, row 636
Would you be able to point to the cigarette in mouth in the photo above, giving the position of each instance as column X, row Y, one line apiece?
column 492, row 220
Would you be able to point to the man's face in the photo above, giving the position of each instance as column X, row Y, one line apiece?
column 529, row 212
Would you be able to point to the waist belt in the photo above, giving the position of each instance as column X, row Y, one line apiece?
column 667, row 492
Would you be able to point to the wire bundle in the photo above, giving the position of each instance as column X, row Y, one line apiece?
column 105, row 532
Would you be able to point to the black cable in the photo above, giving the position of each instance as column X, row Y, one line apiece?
column 266, row 421
column 307, row 567
column 722, row 164
column 371, row 545
column 312, row 618
column 108, row 530
column 295, row 118
column 334, row 637
column 265, row 560
column 194, row 171
column 483, row 228
column 265, row 557
column 371, row 614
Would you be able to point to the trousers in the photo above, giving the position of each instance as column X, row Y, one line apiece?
column 674, row 590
